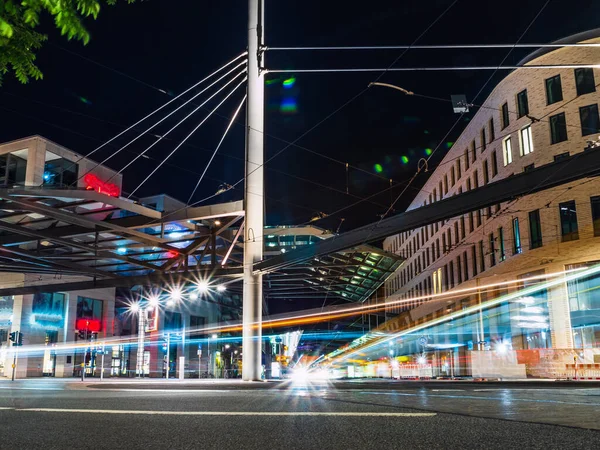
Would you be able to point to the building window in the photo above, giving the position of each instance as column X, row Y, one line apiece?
column 462, row 227
column 474, row 260
column 535, row 229
column 516, row 236
column 13, row 168
column 89, row 308
column 561, row 156
column 458, row 169
column 437, row 281
column 48, row 304
column 505, row 120
column 481, row 257
column 595, row 201
column 590, row 123
column 494, row 164
column 483, row 140
column 478, row 217
column 465, row 266
column 446, row 281
column 507, row 150
column 553, row 90
column 451, row 273
column 558, row 128
column 526, row 141
column 492, row 131
column 528, row 167
column 476, row 178
column 471, row 222
column 492, row 250
column 568, row 221
column 501, row 243
column 467, row 162
column 459, row 269
column 444, row 245
column 522, row 103
column 445, row 184
column 59, row 171
column 584, row 81
column 486, row 176
column 474, row 150
column 452, row 176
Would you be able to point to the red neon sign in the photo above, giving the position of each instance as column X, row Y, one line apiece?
column 93, row 183
column 92, row 325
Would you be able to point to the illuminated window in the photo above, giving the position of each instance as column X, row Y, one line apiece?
column 516, row 236
column 526, row 141
column 507, row 151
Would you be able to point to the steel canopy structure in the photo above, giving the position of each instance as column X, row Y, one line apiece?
column 84, row 232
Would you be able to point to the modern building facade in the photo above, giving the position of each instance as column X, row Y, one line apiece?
column 533, row 117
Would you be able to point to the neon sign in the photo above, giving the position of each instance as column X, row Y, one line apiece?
column 93, row 325
column 93, row 183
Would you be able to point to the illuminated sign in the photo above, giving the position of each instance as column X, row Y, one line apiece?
column 47, row 321
column 93, row 325
column 94, row 183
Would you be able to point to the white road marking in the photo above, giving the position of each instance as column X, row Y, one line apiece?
column 170, row 390
column 6, row 407
column 31, row 388
column 228, row 413
column 448, row 390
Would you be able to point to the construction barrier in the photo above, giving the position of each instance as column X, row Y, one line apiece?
column 583, row 371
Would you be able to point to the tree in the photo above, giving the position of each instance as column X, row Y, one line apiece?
column 19, row 40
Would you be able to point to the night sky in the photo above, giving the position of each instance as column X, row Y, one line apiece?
column 169, row 45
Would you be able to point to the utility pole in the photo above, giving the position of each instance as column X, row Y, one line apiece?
column 254, row 196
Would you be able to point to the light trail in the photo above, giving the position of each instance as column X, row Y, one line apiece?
column 473, row 309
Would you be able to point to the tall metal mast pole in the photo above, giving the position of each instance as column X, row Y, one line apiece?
column 253, row 197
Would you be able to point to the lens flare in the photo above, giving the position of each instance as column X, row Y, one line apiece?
column 428, row 151
column 289, row 83
column 378, row 168
column 288, row 106
column 404, row 159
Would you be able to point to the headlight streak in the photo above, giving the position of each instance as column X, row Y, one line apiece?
column 473, row 309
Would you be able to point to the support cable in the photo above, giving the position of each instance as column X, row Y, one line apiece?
column 188, row 136
column 217, row 147
column 162, row 120
column 156, row 110
column 177, row 125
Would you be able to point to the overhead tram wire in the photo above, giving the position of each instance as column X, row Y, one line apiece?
column 166, row 117
column 217, row 148
column 189, row 135
column 431, row 47
column 158, row 109
column 177, row 124
column 419, row 168
column 437, row 19
column 343, row 163
column 438, row 69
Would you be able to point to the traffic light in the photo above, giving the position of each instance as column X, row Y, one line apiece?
column 16, row 337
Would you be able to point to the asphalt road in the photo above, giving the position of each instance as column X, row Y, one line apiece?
column 50, row 414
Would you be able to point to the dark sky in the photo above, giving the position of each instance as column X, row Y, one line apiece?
column 170, row 45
